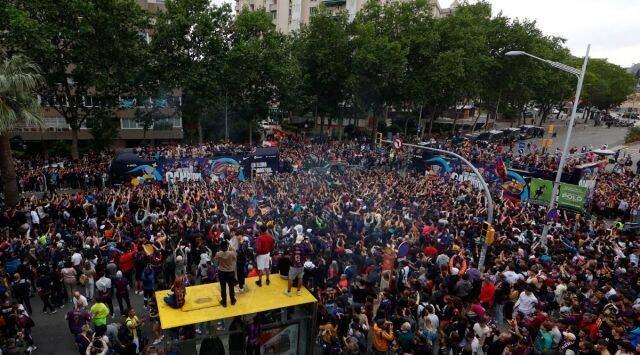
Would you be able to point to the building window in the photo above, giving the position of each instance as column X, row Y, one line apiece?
column 162, row 124
column 274, row 13
column 129, row 123
column 313, row 10
column 251, row 7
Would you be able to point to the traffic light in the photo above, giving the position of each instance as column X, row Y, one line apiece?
column 379, row 139
column 487, row 233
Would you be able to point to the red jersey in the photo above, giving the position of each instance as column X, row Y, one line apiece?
column 265, row 243
column 430, row 251
column 126, row 261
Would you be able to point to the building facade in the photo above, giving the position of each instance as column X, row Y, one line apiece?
column 131, row 131
column 289, row 15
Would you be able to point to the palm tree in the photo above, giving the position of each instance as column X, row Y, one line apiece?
column 19, row 79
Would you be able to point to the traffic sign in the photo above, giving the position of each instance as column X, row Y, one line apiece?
column 397, row 143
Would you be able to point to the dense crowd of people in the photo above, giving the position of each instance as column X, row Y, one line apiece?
column 90, row 251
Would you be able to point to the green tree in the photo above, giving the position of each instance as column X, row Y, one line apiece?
column 378, row 63
column 464, row 34
column 413, row 26
column 88, row 51
column 606, row 85
column 324, row 53
column 508, row 84
column 19, row 80
column 190, row 44
column 262, row 69
column 550, row 86
column 103, row 127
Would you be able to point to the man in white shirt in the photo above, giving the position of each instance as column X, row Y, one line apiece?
column 476, row 346
column 35, row 219
column 560, row 291
column 103, row 284
column 430, row 313
column 526, row 302
column 79, row 300
column 512, row 277
column 76, row 259
column 481, row 331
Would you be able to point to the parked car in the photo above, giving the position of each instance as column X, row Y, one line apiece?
column 511, row 134
column 530, row 131
column 492, row 136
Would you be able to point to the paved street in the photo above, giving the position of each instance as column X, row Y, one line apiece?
column 51, row 333
column 586, row 135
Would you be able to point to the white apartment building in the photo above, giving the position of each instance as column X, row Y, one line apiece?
column 288, row 15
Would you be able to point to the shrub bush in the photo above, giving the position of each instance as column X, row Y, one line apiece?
column 633, row 135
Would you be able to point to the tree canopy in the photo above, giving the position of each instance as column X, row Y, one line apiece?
column 392, row 57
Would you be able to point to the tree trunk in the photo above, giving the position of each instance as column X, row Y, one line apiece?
column 495, row 113
column 406, row 124
column 374, row 129
column 9, row 183
column 321, row 118
column 433, row 118
column 422, row 125
column 74, row 143
column 45, row 149
column 475, row 122
column 251, row 133
column 341, row 120
column 545, row 112
column 455, row 117
column 586, row 114
column 200, row 133
column 226, row 117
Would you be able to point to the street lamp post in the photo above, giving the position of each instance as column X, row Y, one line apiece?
column 563, row 157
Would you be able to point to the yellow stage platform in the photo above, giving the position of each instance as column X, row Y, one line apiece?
column 202, row 302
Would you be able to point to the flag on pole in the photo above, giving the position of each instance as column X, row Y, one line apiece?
column 501, row 169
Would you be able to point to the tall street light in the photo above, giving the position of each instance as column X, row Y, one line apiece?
column 563, row 158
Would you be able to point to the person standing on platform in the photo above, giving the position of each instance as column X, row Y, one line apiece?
column 226, row 272
column 264, row 245
column 243, row 253
column 299, row 252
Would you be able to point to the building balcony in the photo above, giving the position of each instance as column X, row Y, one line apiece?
column 55, row 128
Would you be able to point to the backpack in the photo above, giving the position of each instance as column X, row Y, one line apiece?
column 124, row 334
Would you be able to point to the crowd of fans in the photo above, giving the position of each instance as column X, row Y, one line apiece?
column 87, row 253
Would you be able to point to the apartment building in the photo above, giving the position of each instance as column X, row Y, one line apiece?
column 131, row 131
column 289, row 15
